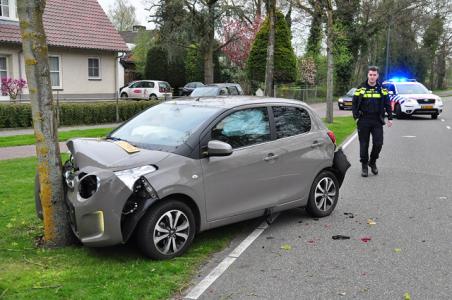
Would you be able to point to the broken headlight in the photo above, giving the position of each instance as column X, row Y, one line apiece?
column 129, row 177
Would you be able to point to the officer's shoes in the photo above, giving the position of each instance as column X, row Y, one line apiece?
column 373, row 168
column 364, row 171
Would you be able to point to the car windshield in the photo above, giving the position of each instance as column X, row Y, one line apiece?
column 411, row 89
column 351, row 92
column 205, row 91
column 164, row 126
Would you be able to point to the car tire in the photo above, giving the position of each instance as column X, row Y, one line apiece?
column 153, row 97
column 398, row 112
column 434, row 116
column 341, row 108
column 320, row 203
column 124, row 96
column 156, row 224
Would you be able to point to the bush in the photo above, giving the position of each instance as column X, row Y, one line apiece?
column 19, row 115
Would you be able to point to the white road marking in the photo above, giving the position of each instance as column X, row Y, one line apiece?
column 200, row 288
column 204, row 284
column 442, row 120
column 408, row 136
column 448, row 127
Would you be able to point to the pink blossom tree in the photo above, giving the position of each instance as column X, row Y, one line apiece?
column 238, row 37
column 12, row 87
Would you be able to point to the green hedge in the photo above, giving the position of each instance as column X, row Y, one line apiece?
column 19, row 115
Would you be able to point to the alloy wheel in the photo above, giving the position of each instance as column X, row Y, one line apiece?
column 171, row 232
column 325, row 194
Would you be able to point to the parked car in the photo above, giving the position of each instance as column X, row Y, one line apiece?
column 189, row 87
column 345, row 102
column 218, row 89
column 410, row 97
column 148, row 90
column 182, row 167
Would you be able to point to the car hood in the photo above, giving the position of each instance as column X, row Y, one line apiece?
column 109, row 154
column 419, row 96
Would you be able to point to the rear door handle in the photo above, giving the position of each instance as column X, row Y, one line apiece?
column 271, row 156
column 315, row 144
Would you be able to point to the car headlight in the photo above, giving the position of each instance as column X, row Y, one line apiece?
column 88, row 185
column 130, row 176
column 411, row 101
column 340, row 100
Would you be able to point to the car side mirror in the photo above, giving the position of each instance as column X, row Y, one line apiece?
column 218, row 148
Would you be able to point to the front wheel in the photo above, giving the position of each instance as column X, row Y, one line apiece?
column 398, row 112
column 167, row 230
column 324, row 195
column 124, row 96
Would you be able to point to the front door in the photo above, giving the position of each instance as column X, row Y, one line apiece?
column 247, row 180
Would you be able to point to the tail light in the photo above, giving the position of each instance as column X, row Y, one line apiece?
column 332, row 136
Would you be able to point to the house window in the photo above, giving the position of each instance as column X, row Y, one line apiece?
column 55, row 71
column 94, row 68
column 4, row 8
column 3, row 71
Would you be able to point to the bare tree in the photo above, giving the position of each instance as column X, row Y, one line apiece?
column 269, row 68
column 56, row 225
column 122, row 15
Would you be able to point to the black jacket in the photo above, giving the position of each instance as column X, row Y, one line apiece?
column 377, row 100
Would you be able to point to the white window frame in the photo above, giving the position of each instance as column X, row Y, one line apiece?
column 12, row 10
column 58, row 87
column 100, row 68
column 7, row 74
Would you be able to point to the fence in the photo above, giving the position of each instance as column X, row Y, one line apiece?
column 305, row 94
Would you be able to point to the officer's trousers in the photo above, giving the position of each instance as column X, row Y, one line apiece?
column 366, row 127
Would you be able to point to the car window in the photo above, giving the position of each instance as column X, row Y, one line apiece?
column 136, row 85
column 224, row 91
column 351, row 92
column 205, row 91
column 146, row 84
column 233, row 90
column 411, row 89
column 243, row 128
column 291, row 120
column 151, row 84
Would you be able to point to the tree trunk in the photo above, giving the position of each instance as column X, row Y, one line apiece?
column 269, row 68
column 440, row 82
column 209, row 44
column 258, row 9
column 330, row 72
column 56, row 226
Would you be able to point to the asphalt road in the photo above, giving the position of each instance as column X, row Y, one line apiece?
column 409, row 249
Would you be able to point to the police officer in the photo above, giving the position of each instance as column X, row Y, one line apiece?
column 370, row 102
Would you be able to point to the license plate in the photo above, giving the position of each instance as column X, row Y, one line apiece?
column 347, row 103
column 427, row 106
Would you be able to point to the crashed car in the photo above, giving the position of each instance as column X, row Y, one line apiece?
column 182, row 167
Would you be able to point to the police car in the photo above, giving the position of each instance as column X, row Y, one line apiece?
column 409, row 97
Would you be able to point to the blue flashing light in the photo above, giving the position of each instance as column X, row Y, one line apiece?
column 398, row 79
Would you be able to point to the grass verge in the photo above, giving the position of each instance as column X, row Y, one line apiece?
column 29, row 139
column 77, row 272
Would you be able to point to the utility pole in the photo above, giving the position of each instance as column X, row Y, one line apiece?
column 388, row 37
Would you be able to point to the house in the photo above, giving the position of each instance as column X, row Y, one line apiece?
column 84, row 49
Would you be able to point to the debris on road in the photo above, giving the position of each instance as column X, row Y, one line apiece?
column 366, row 239
column 406, row 296
column 349, row 214
column 340, row 237
column 342, row 293
column 286, row 247
column 397, row 250
column 371, row 222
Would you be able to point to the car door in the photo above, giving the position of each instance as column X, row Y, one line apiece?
column 136, row 90
column 247, row 180
column 302, row 151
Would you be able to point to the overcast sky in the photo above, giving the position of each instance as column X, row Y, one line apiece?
column 140, row 13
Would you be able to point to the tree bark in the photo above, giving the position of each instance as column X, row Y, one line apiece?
column 209, row 44
column 269, row 68
column 56, row 226
column 330, row 72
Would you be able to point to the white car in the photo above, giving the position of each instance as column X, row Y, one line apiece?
column 147, row 89
column 409, row 97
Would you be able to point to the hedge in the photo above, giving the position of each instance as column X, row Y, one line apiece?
column 19, row 115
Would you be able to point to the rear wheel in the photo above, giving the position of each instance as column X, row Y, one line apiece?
column 124, row 96
column 324, row 195
column 153, row 97
column 434, row 116
column 167, row 230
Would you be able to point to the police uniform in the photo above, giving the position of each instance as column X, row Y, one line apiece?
column 369, row 106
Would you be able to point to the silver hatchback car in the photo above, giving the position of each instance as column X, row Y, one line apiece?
column 186, row 166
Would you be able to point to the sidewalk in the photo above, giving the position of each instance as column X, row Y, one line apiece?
column 19, row 131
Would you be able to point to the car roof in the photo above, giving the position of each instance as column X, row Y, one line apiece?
column 235, row 101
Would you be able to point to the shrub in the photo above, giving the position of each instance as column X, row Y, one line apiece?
column 19, row 115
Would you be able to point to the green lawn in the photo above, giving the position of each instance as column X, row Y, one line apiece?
column 29, row 139
column 77, row 272
column 342, row 127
